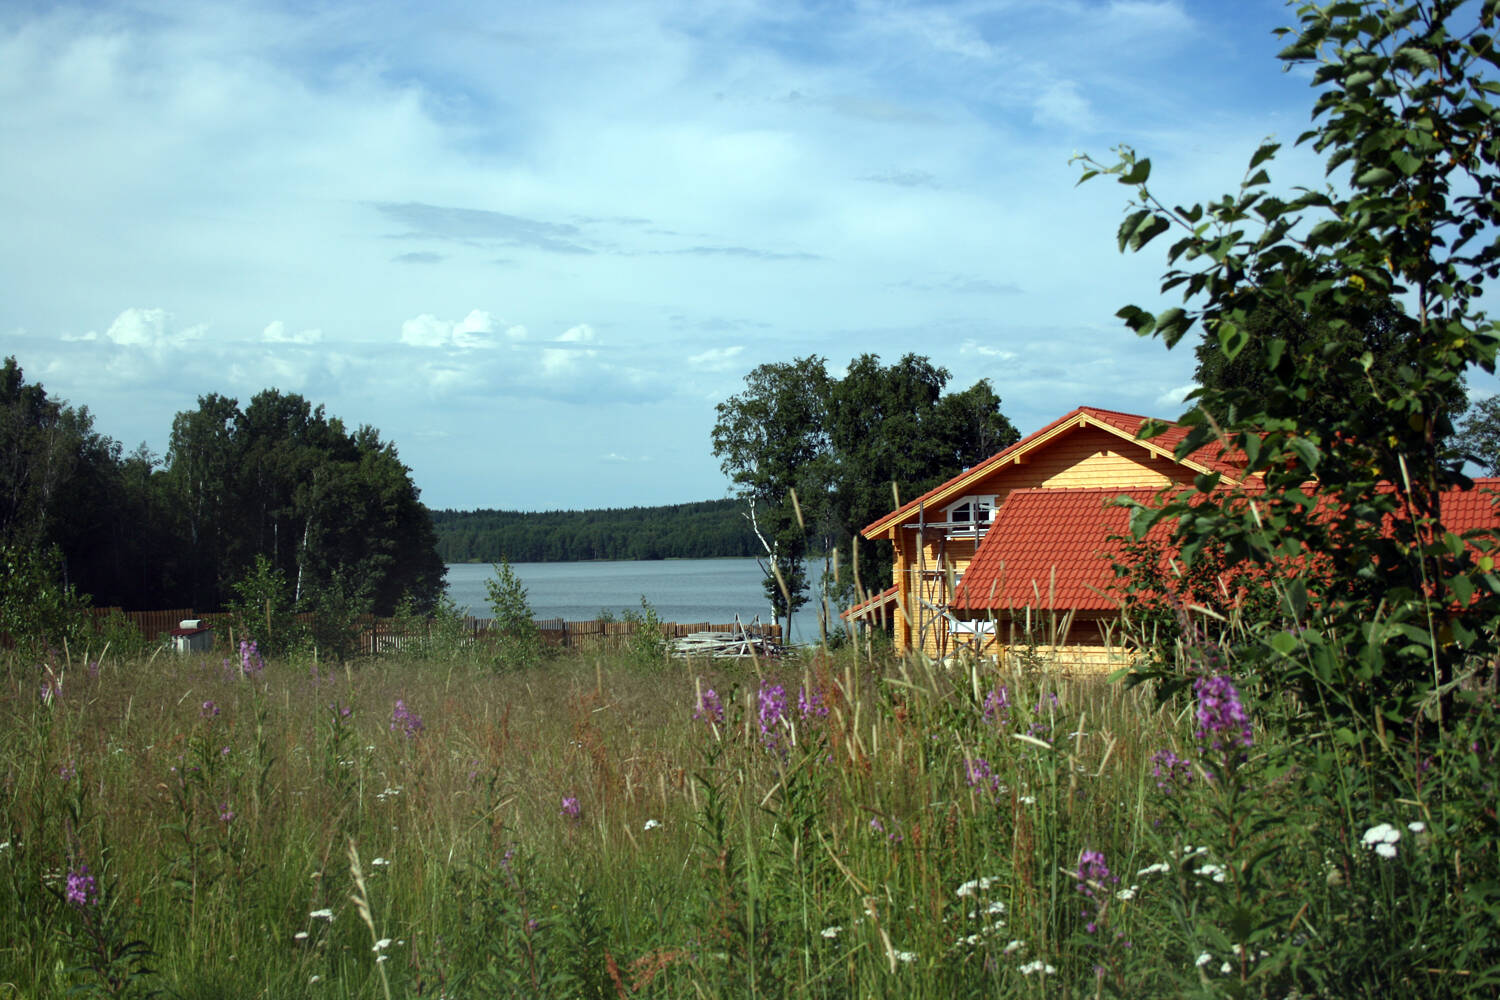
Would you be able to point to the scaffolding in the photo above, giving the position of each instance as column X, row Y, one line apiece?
column 932, row 583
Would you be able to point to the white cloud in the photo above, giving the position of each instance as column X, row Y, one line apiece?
column 277, row 333
column 717, row 358
column 1176, row 396
column 150, row 328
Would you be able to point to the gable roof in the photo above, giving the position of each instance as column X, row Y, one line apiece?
column 1123, row 425
column 1052, row 548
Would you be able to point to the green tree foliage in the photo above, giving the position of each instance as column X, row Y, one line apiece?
column 280, row 479
column 846, row 449
column 520, row 641
column 36, row 611
column 1382, row 611
column 326, row 507
column 1478, row 438
column 1367, row 325
column 712, row 528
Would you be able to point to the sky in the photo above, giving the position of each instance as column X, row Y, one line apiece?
column 535, row 244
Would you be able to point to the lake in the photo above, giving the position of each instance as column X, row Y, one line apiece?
column 681, row 590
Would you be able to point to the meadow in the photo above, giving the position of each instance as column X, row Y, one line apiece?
column 843, row 823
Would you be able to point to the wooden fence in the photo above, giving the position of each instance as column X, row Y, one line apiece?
column 383, row 635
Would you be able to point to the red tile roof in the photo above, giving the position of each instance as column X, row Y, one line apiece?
column 1205, row 459
column 1051, row 548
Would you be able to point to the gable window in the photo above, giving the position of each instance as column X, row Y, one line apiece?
column 971, row 515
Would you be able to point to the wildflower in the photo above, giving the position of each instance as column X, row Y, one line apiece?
column 904, row 956
column 1127, row 894
column 381, row 945
column 1203, row 959
column 250, row 660
column 82, row 891
column 710, row 709
column 570, row 807
column 406, row 720
column 1092, row 868
column 68, row 771
column 1226, row 969
column 1382, row 839
column 1036, row 966
column 772, row 711
column 1015, row 945
column 322, row 915
column 1170, row 770
column 997, row 706
column 651, row 824
column 876, row 826
column 209, row 710
column 1416, row 826
column 381, row 863
column 832, row 932
column 969, row 887
column 226, row 814
column 300, row 936
column 51, row 689
column 1222, row 722
column 980, row 773
column 314, row 979
column 1027, row 800
column 1215, row 872
column 810, row 704
column 1159, row 868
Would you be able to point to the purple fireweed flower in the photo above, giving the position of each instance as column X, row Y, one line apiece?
column 209, row 710
column 997, row 706
column 1222, row 722
column 250, row 661
column 981, row 775
column 810, row 704
column 82, row 891
column 406, row 720
column 1170, row 770
column 570, row 807
column 226, row 814
column 51, row 689
column 710, row 708
column 68, row 771
column 772, row 711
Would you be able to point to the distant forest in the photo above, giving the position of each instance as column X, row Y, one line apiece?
column 678, row 531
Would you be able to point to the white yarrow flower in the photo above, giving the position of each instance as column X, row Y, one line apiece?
column 1037, row 966
column 651, row 824
column 1215, row 872
column 322, row 915
column 380, row 862
column 382, row 944
column 832, row 932
column 1160, row 868
column 1014, row 946
column 300, row 936
column 905, row 956
column 1417, row 826
column 1203, row 959
column 1226, row 969
column 1126, row 895
column 1382, row 838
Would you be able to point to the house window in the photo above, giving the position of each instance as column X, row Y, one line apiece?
column 971, row 515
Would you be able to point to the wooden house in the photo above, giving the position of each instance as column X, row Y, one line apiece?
column 1016, row 551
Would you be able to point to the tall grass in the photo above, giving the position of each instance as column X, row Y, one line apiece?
column 836, row 825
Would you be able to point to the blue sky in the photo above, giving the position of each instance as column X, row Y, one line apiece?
column 535, row 244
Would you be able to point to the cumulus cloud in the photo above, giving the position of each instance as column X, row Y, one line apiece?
column 476, row 331
column 1176, row 396
column 277, row 333
column 150, row 328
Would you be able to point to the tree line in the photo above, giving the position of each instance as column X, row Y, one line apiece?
column 277, row 487
column 711, row 528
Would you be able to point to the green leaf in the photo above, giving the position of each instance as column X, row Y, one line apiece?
column 1232, row 339
column 1284, row 643
column 1409, row 55
column 1130, row 225
column 1375, row 177
column 1264, row 153
column 1139, row 171
column 1405, row 162
column 1148, row 230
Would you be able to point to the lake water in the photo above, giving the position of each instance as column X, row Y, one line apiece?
column 681, row 590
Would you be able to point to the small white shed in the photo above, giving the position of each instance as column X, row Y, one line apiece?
column 192, row 636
